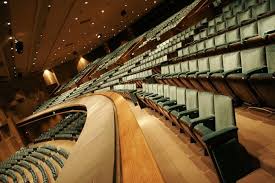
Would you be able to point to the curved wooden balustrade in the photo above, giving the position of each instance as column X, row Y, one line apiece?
column 93, row 157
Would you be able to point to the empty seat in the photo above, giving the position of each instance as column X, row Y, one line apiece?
column 215, row 66
column 220, row 41
column 252, row 61
column 266, row 27
column 205, row 112
column 190, row 108
column 193, row 68
column 231, row 64
column 203, row 68
column 264, row 83
column 233, row 37
column 249, row 31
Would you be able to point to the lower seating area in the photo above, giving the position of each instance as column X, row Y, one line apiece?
column 67, row 129
column 206, row 119
column 34, row 164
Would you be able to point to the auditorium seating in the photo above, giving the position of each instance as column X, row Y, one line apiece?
column 39, row 157
column 69, row 128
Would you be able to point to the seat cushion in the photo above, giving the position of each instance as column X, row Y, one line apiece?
column 202, row 130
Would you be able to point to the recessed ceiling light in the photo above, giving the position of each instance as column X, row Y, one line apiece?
column 93, row 23
column 33, row 63
column 146, row 9
column 155, row 2
column 113, row 29
column 63, row 40
column 138, row 15
column 125, row 5
column 8, row 23
column 12, row 56
column 132, row 11
column 104, row 26
column 58, row 48
column 10, row 37
column 5, row 2
column 34, row 58
column 11, row 48
column 86, row 2
column 49, row 6
column 102, row 11
column 76, row 18
column 36, row 52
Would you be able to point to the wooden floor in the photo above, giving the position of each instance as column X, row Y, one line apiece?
column 180, row 161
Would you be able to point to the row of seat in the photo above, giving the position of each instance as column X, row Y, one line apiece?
column 69, row 128
column 26, row 158
column 247, row 75
column 203, row 116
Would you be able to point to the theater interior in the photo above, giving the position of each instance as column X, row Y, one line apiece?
column 137, row 91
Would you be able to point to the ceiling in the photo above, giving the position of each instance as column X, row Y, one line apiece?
column 52, row 30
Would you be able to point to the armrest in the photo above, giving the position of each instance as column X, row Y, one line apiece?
column 156, row 97
column 170, row 102
column 257, row 70
column 189, row 73
column 178, row 75
column 188, row 112
column 202, row 72
column 214, row 72
column 221, row 135
column 196, row 121
column 151, row 95
column 162, row 100
column 269, row 32
column 236, row 70
column 174, row 107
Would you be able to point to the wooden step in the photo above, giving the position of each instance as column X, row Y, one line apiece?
column 259, row 175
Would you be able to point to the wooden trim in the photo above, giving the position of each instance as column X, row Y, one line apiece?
column 138, row 163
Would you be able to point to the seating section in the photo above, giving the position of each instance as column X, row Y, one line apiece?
column 35, row 162
column 194, row 78
column 69, row 128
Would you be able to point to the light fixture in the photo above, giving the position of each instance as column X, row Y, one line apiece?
column 36, row 52
column 76, row 18
column 12, row 56
column 49, row 6
column 10, row 38
column 34, row 58
column 138, row 15
column 5, row 2
column 125, row 5
column 146, row 9
column 155, row 2
column 102, row 11
column 8, row 23
column 33, row 63
column 11, row 48
column 63, row 40
column 93, row 23
column 104, row 26
column 58, row 48
column 86, row 2
column 113, row 29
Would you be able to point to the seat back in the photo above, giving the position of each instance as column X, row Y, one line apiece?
column 191, row 99
column 231, row 22
column 160, row 90
column 201, row 46
column 166, row 91
column 173, row 92
column 249, row 3
column 233, row 36
column 220, row 40
column 164, row 70
column 177, row 68
column 206, row 104
column 266, row 24
column 215, row 63
column 203, row 64
column 244, row 16
column 249, row 30
column 184, row 66
column 193, row 65
column 261, row 8
column 224, row 112
column 171, row 69
column 231, row 61
column 209, row 43
column 270, row 55
column 181, row 95
column 155, row 88
column 252, row 58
